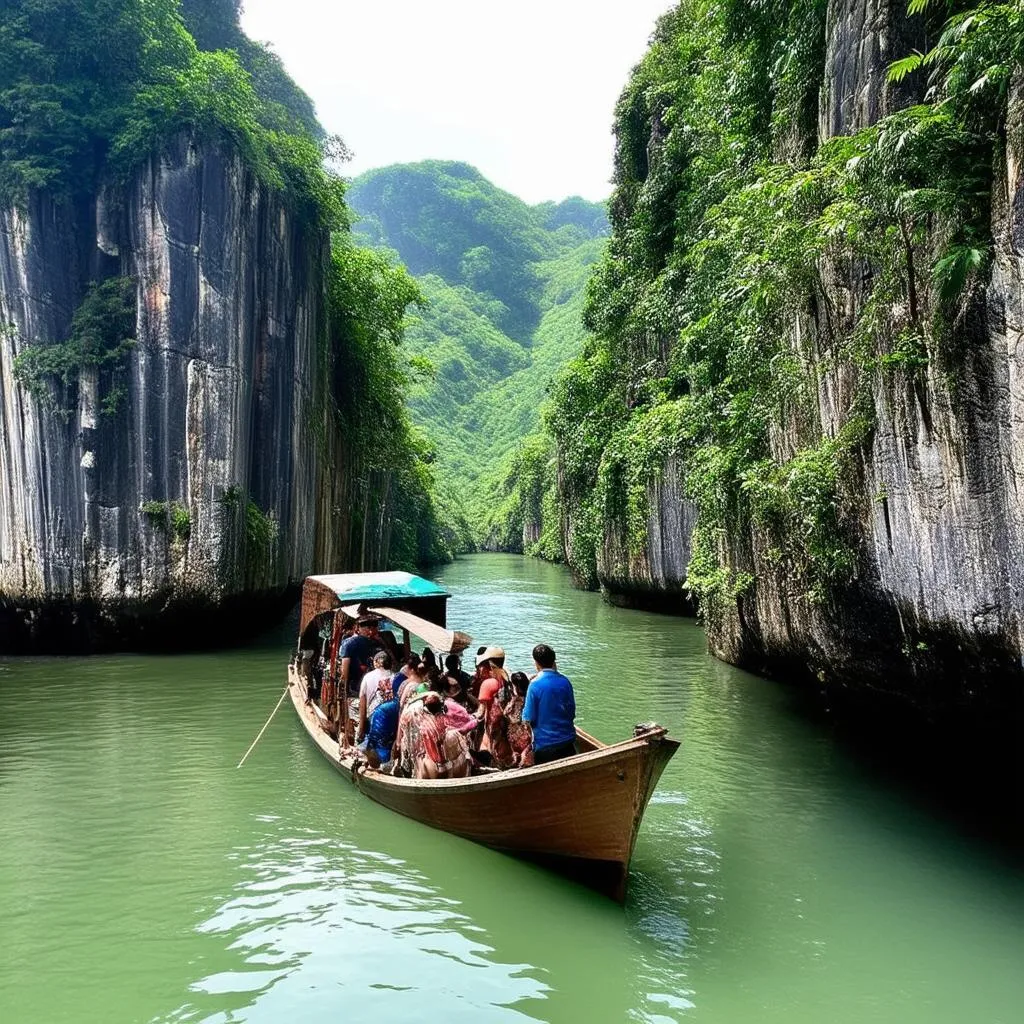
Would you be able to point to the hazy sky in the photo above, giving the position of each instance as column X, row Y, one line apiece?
column 524, row 90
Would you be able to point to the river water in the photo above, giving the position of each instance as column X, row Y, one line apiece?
column 144, row 878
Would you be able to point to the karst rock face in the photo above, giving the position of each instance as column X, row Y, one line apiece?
column 935, row 613
column 655, row 575
column 176, row 492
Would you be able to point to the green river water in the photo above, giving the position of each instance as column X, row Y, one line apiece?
column 144, row 878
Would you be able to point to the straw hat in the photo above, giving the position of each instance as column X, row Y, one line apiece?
column 491, row 654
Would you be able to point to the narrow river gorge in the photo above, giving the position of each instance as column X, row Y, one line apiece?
column 776, row 879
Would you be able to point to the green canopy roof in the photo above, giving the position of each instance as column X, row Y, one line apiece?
column 358, row 587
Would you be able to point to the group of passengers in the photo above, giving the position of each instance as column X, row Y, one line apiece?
column 417, row 719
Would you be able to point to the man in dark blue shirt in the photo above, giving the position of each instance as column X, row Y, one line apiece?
column 550, row 709
column 356, row 656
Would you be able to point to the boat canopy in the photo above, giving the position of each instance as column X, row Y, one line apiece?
column 370, row 589
column 444, row 641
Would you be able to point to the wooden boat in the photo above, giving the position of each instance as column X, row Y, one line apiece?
column 580, row 815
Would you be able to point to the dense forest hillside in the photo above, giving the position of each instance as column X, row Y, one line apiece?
column 201, row 387
column 503, row 286
column 799, row 406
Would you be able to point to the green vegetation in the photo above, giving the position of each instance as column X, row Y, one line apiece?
column 88, row 92
column 712, row 307
column 446, row 219
column 388, row 458
column 502, row 285
column 88, row 89
column 101, row 336
column 169, row 517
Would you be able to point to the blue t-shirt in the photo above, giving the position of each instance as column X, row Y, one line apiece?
column 383, row 729
column 550, row 709
column 360, row 649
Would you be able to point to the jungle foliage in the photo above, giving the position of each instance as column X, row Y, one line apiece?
column 710, row 309
column 390, row 461
column 90, row 91
column 101, row 336
column 503, row 286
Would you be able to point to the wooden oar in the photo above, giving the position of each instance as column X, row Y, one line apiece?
column 264, row 729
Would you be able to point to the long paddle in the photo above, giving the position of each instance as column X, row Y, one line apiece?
column 264, row 729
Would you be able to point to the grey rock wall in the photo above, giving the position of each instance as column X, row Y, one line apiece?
column 862, row 38
column 935, row 614
column 654, row 576
column 219, row 386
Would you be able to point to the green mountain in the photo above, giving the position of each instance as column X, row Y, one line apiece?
column 503, row 284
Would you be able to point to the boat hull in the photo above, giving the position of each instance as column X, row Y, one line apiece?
column 580, row 815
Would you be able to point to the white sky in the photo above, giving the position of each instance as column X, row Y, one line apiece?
column 524, row 90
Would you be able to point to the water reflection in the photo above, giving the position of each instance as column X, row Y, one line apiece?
column 324, row 928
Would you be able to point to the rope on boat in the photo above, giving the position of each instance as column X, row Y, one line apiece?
column 264, row 729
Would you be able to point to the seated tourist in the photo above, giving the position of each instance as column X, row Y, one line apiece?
column 415, row 686
column 375, row 688
column 519, row 737
column 385, row 639
column 550, row 709
column 382, row 732
column 410, row 664
column 427, row 748
column 456, row 716
column 491, row 664
column 458, row 683
column 477, row 677
column 355, row 656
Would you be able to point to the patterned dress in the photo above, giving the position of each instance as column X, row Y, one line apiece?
column 496, row 735
column 427, row 747
column 519, row 737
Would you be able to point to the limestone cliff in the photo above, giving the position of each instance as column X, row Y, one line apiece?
column 198, row 491
column 931, row 609
column 655, row 575
column 936, row 613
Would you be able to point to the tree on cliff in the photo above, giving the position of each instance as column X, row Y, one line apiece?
column 91, row 88
column 735, row 228
column 89, row 91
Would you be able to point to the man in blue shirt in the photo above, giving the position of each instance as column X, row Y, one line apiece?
column 550, row 709
column 355, row 658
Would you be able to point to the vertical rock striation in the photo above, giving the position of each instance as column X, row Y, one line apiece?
column 934, row 612
column 212, row 434
column 653, row 576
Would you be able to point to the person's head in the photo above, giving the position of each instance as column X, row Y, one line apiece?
column 434, row 703
column 520, row 680
column 413, row 669
column 477, row 673
column 455, row 686
column 439, row 684
column 382, row 659
column 491, row 658
column 428, row 658
column 543, row 656
column 365, row 626
column 452, row 663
